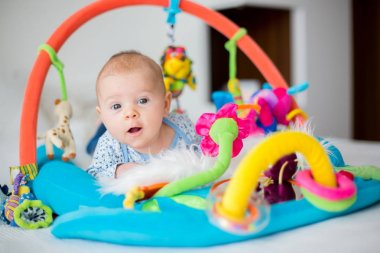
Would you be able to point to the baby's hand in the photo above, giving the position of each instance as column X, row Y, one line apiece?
column 120, row 169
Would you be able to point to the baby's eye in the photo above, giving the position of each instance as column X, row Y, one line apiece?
column 143, row 101
column 116, row 106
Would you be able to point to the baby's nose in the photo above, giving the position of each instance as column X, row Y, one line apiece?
column 131, row 114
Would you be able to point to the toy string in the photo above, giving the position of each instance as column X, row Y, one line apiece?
column 230, row 46
column 58, row 64
column 172, row 11
column 233, row 82
column 225, row 131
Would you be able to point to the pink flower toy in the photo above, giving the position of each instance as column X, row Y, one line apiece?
column 206, row 120
column 222, row 136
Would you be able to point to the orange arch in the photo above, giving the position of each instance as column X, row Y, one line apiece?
column 29, row 115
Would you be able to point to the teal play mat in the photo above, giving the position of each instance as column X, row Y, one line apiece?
column 85, row 214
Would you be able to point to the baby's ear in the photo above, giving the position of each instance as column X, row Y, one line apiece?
column 168, row 101
column 98, row 110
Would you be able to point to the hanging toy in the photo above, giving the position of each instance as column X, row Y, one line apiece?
column 175, row 63
column 270, row 107
column 233, row 83
column 177, row 70
column 61, row 135
column 233, row 95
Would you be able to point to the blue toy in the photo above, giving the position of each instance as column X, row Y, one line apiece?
column 74, row 195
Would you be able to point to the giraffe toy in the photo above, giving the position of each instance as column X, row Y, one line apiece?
column 61, row 135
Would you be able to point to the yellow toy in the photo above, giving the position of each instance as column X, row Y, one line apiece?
column 177, row 70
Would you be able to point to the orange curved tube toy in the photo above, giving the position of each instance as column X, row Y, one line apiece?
column 236, row 197
column 38, row 74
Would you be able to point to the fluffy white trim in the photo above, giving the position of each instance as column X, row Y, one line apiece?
column 305, row 127
column 168, row 167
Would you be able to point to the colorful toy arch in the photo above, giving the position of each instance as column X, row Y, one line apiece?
column 28, row 125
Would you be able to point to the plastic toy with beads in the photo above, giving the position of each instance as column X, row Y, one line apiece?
column 268, row 107
column 22, row 209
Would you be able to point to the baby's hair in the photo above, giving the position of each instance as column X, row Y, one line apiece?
column 129, row 61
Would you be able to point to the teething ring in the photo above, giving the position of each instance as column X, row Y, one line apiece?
column 332, row 199
column 345, row 187
column 251, row 215
column 255, row 217
column 296, row 112
column 217, row 184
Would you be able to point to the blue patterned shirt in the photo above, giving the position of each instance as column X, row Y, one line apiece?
column 109, row 153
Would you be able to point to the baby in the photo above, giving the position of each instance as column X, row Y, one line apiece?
column 134, row 107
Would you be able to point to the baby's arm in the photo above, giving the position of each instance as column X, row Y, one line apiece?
column 107, row 156
column 121, row 168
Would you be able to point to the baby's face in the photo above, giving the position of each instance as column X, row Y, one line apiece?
column 132, row 107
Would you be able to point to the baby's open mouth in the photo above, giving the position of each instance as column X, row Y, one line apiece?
column 133, row 130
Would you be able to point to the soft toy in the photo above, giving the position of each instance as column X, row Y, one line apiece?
column 22, row 209
column 177, row 70
column 61, row 135
column 275, row 106
column 277, row 185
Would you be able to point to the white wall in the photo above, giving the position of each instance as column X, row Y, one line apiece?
column 321, row 56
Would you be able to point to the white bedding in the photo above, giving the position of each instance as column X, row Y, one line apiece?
column 357, row 232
